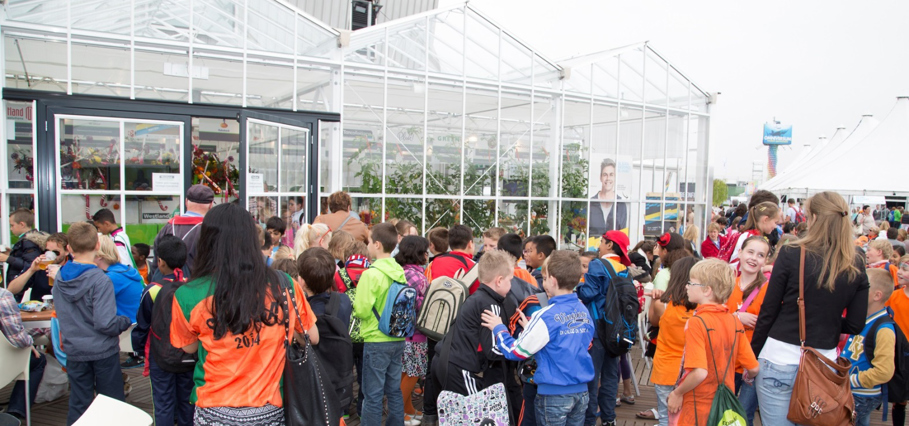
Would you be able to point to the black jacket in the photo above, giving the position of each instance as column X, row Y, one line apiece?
column 618, row 215
column 21, row 256
column 779, row 317
column 472, row 345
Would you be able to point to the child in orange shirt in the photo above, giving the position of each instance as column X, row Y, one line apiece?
column 878, row 256
column 899, row 302
column 711, row 283
column 745, row 303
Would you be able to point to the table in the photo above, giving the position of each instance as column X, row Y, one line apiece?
column 40, row 319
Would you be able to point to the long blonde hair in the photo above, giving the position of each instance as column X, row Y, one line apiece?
column 830, row 237
column 692, row 232
column 308, row 236
column 759, row 211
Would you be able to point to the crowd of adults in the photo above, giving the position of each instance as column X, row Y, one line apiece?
column 213, row 299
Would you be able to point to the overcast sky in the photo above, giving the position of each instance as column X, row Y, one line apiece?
column 813, row 64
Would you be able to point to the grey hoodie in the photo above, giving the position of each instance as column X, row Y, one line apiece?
column 87, row 313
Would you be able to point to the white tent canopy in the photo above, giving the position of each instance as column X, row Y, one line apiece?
column 845, row 168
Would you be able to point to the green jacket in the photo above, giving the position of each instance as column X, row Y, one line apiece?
column 371, row 293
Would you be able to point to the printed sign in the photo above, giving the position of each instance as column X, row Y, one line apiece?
column 777, row 134
column 155, row 216
column 167, row 182
column 255, row 182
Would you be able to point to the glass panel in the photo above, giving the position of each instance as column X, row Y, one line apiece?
column 580, row 79
column 575, row 149
column 514, row 145
column 218, row 23
column 151, row 148
column 605, row 80
column 574, row 225
column 21, row 162
column 444, row 212
column 328, row 131
column 516, row 61
column 655, row 92
column 45, row 61
column 101, row 70
column 146, row 215
column 216, row 158
column 263, row 157
column 220, row 81
column 631, row 75
column 313, row 40
column 315, row 88
column 368, row 209
column 293, row 212
column 482, row 48
column 41, row 13
column 89, row 154
column 80, row 208
column 162, row 75
column 446, row 42
column 539, row 217
column 545, row 74
column 481, row 128
column 479, row 215
column 270, row 85
column 262, row 208
column 407, row 46
column 294, row 146
column 545, row 143
column 271, row 26
column 678, row 89
column 404, row 161
column 100, row 16
column 410, row 209
column 445, row 148
column 513, row 216
column 167, row 19
column 363, row 136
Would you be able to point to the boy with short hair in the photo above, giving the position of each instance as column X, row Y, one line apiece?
column 140, row 253
column 315, row 269
column 89, row 326
column 490, row 240
column 459, row 260
column 878, row 257
column 29, row 246
column 438, row 242
column 382, row 354
column 710, row 284
column 871, row 371
column 106, row 223
column 512, row 244
column 562, row 327
column 535, row 253
column 170, row 391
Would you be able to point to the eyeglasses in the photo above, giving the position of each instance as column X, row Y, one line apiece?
column 691, row 284
column 57, row 253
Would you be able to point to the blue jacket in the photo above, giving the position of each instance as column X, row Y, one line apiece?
column 563, row 328
column 128, row 286
column 593, row 290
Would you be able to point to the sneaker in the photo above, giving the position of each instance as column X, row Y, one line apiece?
column 430, row 420
column 410, row 420
column 133, row 362
column 612, row 423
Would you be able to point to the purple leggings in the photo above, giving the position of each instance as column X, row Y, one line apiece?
column 625, row 367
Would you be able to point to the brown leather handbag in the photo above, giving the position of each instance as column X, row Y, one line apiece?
column 821, row 394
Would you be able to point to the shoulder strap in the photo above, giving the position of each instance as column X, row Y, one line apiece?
column 471, row 275
column 460, row 258
column 871, row 337
column 735, row 339
column 801, row 300
column 751, row 297
column 342, row 272
column 341, row 226
column 334, row 303
column 609, row 269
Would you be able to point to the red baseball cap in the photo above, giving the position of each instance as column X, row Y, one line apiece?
column 619, row 239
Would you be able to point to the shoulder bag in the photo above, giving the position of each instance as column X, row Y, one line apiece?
column 309, row 398
column 821, row 394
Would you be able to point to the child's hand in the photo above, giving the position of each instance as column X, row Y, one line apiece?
column 523, row 320
column 656, row 293
column 674, row 402
column 748, row 319
column 490, row 320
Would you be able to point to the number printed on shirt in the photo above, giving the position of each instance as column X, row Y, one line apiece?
column 247, row 340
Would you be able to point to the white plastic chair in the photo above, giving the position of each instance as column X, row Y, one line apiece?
column 15, row 362
column 106, row 411
column 126, row 340
column 26, row 295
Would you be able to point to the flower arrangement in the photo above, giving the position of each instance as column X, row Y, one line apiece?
column 22, row 162
column 84, row 167
column 209, row 170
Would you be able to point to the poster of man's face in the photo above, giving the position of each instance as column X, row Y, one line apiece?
column 609, row 182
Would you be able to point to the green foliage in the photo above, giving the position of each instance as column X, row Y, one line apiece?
column 720, row 192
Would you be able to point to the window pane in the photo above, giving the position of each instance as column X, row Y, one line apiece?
column 89, row 154
column 101, row 70
column 479, row 215
column 513, row 216
column 263, row 156
column 146, row 215
column 216, row 156
column 262, row 208
column 151, row 148
column 410, row 209
column 539, row 217
column 481, row 128
column 574, row 225
column 442, row 212
column 294, row 170
column 575, row 149
column 444, row 138
column 514, row 145
column 21, row 163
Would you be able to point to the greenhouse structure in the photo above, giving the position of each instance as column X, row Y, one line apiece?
column 439, row 117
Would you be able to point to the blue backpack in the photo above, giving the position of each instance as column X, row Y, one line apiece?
column 399, row 316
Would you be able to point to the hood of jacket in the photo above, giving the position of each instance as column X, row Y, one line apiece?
column 71, row 281
column 39, row 238
column 390, row 268
column 128, row 272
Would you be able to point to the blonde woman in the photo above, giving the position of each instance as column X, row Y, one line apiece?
column 128, row 284
column 692, row 234
column 317, row 235
column 835, row 281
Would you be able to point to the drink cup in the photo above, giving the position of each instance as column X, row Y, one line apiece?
column 52, row 270
column 49, row 258
column 48, row 302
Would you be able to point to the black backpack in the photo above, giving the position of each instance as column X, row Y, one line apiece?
column 336, row 350
column 897, row 389
column 618, row 327
column 169, row 358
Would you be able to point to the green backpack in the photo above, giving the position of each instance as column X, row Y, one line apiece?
column 726, row 410
column 354, row 321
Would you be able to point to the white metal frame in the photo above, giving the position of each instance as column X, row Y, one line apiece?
column 279, row 149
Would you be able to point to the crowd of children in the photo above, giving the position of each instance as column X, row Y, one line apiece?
column 509, row 310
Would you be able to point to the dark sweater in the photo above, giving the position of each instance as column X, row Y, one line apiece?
column 779, row 317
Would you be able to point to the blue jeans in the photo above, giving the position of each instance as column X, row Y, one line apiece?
column 561, row 410
column 35, row 373
column 382, row 377
column 774, row 390
column 604, row 386
column 87, row 377
column 663, row 392
column 170, row 394
column 749, row 399
column 529, row 396
column 864, row 406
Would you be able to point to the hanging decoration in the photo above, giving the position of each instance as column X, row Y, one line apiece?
column 221, row 176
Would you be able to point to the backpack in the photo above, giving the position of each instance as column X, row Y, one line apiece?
column 725, row 408
column 336, row 350
column 728, row 246
column 486, row 407
column 399, row 316
column 442, row 303
column 799, row 216
column 618, row 326
column 169, row 358
column 354, row 330
column 897, row 389
column 527, row 368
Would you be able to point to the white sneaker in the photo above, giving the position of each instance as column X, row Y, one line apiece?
column 411, row 420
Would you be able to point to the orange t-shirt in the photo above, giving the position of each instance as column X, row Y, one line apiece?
column 235, row 370
column 892, row 269
column 524, row 275
column 700, row 353
column 735, row 302
column 670, row 345
column 899, row 302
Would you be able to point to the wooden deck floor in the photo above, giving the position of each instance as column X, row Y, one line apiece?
column 54, row 413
